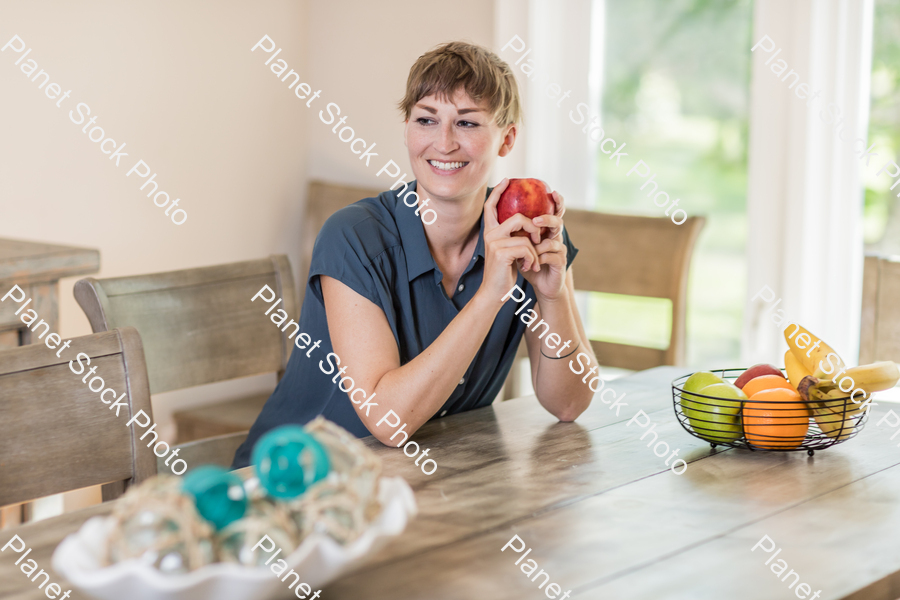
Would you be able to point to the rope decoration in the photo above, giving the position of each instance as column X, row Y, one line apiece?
column 157, row 521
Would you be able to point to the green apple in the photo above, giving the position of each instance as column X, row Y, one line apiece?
column 717, row 419
column 695, row 383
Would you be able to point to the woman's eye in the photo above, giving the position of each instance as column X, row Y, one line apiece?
column 424, row 121
column 468, row 124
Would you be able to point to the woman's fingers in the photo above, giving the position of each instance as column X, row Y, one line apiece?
column 560, row 204
column 552, row 252
column 552, row 258
column 524, row 259
column 552, row 222
column 551, row 245
column 519, row 222
column 517, row 248
column 490, row 207
column 517, row 242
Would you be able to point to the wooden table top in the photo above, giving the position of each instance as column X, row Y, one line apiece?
column 34, row 262
column 606, row 518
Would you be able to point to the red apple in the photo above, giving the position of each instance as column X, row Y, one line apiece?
column 755, row 371
column 528, row 197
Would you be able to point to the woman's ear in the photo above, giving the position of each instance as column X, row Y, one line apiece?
column 405, row 129
column 509, row 140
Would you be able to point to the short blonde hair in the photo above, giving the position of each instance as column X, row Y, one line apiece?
column 481, row 73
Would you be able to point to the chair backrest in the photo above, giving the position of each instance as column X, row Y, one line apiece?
column 198, row 325
column 636, row 256
column 880, row 324
column 323, row 200
column 218, row 450
column 55, row 433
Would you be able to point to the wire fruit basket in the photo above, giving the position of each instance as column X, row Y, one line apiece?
column 760, row 425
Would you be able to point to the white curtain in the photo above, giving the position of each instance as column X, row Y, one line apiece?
column 805, row 191
column 564, row 45
column 563, row 42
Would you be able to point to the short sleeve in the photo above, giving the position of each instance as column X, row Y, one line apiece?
column 344, row 249
column 572, row 250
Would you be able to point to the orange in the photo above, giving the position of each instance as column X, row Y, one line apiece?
column 775, row 418
column 766, row 382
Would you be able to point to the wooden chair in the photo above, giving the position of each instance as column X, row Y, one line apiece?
column 218, row 450
column 880, row 324
column 635, row 256
column 199, row 326
column 322, row 201
column 56, row 435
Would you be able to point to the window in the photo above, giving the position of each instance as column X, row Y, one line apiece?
column 676, row 89
column 881, row 221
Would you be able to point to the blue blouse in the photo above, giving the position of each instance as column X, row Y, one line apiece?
column 377, row 247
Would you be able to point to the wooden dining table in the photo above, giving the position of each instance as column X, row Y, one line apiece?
column 37, row 268
column 604, row 516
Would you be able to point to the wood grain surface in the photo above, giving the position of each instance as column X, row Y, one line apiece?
column 635, row 256
column 606, row 518
column 880, row 319
column 24, row 262
column 219, row 419
column 198, row 325
column 37, row 268
column 55, row 433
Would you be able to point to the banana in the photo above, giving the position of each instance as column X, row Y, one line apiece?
column 795, row 369
column 830, row 407
column 835, row 401
column 875, row 377
column 818, row 357
column 832, row 424
column 816, row 371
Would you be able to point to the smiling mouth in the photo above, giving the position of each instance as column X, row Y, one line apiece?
column 447, row 166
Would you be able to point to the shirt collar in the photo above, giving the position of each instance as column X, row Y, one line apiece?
column 412, row 235
column 479, row 247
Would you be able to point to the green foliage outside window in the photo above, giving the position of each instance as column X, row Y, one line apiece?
column 676, row 89
column 882, row 207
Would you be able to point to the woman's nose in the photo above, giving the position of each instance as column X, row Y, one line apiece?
column 446, row 141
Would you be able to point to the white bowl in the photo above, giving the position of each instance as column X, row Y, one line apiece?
column 319, row 560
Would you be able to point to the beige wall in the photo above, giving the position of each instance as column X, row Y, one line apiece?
column 176, row 82
column 360, row 55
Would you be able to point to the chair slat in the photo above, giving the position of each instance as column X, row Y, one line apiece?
column 869, row 317
column 198, row 326
column 56, row 435
column 218, row 450
column 880, row 335
column 889, row 311
column 323, row 200
column 623, row 254
column 633, row 256
column 216, row 274
column 622, row 356
column 38, row 355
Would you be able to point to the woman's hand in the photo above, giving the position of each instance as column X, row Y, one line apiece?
column 549, row 282
column 503, row 252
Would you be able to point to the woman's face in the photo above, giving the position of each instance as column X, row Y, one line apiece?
column 453, row 145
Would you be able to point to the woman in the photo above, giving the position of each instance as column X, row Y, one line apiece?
column 410, row 317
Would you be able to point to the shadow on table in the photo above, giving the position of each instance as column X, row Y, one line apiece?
column 561, row 442
column 767, row 476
